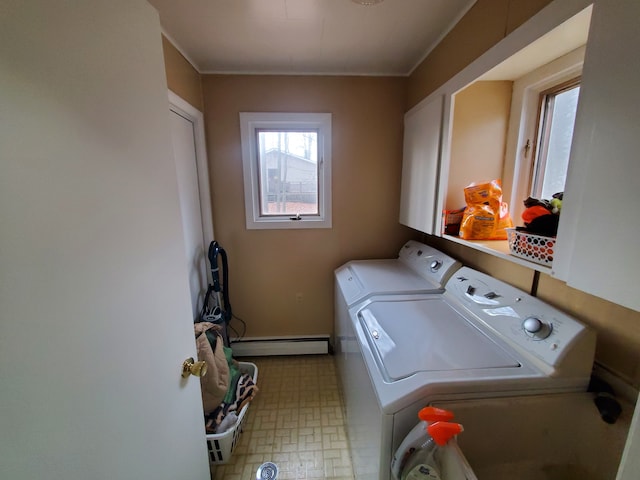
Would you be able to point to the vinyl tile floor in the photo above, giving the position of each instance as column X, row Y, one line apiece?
column 296, row 421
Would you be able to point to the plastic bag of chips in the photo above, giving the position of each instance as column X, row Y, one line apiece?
column 486, row 216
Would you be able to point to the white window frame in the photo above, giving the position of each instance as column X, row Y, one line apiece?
column 524, row 121
column 252, row 121
column 540, row 154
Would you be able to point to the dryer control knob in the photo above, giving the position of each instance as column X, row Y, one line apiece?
column 536, row 328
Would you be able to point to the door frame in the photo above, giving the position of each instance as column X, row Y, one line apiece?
column 181, row 107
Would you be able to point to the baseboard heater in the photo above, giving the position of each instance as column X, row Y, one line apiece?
column 268, row 346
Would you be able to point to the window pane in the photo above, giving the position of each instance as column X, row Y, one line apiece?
column 562, row 120
column 288, row 166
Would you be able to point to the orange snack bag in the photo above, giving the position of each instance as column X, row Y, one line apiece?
column 486, row 216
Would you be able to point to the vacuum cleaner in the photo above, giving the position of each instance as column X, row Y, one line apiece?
column 216, row 307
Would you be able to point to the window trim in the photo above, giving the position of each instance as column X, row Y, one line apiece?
column 250, row 123
column 521, row 136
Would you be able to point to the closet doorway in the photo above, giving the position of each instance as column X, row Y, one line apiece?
column 187, row 134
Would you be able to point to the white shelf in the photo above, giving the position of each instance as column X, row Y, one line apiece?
column 498, row 248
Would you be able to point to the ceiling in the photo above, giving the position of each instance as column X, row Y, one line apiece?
column 333, row 37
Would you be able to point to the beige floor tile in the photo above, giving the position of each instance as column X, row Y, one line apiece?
column 295, row 421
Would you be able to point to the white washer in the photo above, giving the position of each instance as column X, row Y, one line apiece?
column 480, row 338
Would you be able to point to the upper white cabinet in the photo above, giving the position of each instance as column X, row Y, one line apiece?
column 421, row 157
column 595, row 251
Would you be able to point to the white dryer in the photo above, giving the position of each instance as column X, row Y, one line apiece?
column 481, row 338
column 418, row 268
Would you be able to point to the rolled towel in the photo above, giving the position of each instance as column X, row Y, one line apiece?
column 215, row 383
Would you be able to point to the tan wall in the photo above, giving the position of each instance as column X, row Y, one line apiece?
column 182, row 78
column 268, row 268
column 484, row 25
column 478, row 139
column 618, row 327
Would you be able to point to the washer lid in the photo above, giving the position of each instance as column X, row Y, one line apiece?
column 426, row 335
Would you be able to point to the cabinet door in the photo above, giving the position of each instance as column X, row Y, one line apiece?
column 599, row 231
column 421, row 157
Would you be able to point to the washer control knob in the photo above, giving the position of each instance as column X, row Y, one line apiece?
column 532, row 325
column 435, row 265
column 536, row 328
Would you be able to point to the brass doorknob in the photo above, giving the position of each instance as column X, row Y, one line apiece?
column 191, row 367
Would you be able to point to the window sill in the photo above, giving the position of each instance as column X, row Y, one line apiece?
column 497, row 248
column 280, row 223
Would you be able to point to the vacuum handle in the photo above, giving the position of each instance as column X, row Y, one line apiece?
column 214, row 249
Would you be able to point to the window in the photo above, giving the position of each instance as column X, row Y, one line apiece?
column 558, row 107
column 543, row 111
column 287, row 169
